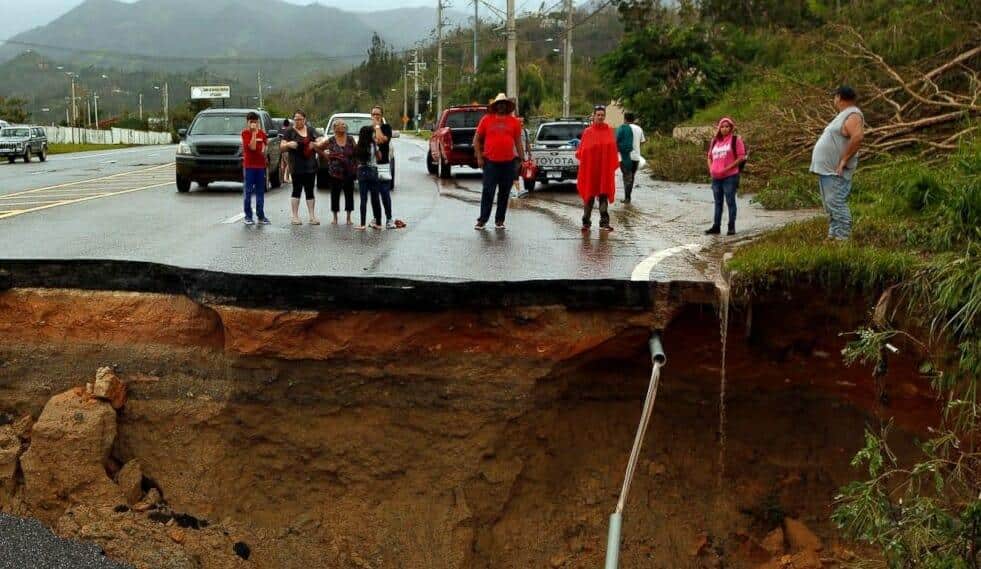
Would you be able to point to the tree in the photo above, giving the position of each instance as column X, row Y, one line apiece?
column 14, row 110
column 665, row 72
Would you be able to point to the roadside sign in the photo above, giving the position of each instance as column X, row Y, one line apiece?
column 211, row 92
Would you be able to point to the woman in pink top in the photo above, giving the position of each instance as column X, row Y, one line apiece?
column 726, row 155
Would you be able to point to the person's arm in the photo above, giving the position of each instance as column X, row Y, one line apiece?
column 478, row 143
column 379, row 135
column 854, row 129
column 740, row 156
column 519, row 144
column 287, row 143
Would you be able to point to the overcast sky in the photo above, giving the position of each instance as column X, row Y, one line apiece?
column 19, row 16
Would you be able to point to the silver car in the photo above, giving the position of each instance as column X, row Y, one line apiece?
column 23, row 142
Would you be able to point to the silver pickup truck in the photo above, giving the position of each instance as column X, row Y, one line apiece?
column 554, row 151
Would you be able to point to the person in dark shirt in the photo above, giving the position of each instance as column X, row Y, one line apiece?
column 301, row 142
column 375, row 173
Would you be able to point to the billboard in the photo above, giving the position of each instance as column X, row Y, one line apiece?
column 211, row 92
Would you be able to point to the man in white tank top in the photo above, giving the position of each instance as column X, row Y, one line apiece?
column 835, row 158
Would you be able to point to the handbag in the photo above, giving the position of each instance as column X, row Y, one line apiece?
column 384, row 170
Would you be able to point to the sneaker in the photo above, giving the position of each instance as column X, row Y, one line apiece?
column 606, row 228
column 732, row 231
column 375, row 225
column 389, row 224
column 499, row 225
column 479, row 226
column 264, row 221
column 714, row 230
column 248, row 221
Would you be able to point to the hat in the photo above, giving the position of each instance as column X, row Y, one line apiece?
column 502, row 98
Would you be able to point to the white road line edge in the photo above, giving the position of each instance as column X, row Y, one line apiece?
column 642, row 272
column 62, row 157
column 235, row 218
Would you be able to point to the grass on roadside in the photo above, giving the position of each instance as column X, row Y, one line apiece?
column 58, row 148
column 905, row 215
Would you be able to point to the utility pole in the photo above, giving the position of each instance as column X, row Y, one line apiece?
column 141, row 107
column 415, row 77
column 166, row 102
column 512, row 58
column 567, row 73
column 476, row 34
column 74, row 104
column 259, row 78
column 405, row 93
column 95, row 99
column 439, row 57
column 88, row 113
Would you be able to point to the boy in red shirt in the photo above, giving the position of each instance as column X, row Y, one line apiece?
column 497, row 144
column 254, row 141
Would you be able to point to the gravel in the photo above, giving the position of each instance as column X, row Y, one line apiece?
column 26, row 543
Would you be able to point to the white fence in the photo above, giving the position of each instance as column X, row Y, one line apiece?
column 66, row 135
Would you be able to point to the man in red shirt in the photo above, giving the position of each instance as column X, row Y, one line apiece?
column 497, row 144
column 254, row 141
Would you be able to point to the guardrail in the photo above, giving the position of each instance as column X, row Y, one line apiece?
column 68, row 135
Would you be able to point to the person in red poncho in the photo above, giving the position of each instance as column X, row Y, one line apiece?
column 599, row 159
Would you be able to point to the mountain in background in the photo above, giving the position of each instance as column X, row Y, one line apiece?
column 177, row 34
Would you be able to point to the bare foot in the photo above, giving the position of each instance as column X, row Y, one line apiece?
column 296, row 221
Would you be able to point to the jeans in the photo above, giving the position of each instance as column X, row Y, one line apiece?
column 498, row 178
column 629, row 170
column 587, row 212
column 725, row 189
column 255, row 183
column 385, row 189
column 834, row 196
column 368, row 186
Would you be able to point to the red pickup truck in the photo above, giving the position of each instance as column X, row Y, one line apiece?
column 452, row 140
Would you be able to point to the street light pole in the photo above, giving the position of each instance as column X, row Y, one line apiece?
column 95, row 99
column 405, row 94
column 415, row 77
column 439, row 57
column 74, row 104
column 166, row 102
column 512, row 56
column 567, row 73
column 476, row 34
column 259, row 76
column 141, row 107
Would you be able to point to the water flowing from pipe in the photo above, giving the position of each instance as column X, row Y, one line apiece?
column 722, row 290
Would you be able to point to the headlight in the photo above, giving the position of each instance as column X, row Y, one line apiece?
column 183, row 149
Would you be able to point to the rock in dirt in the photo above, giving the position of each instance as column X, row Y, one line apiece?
column 130, row 481
column 65, row 464
column 800, row 537
column 773, row 543
column 109, row 387
column 9, row 451
column 151, row 499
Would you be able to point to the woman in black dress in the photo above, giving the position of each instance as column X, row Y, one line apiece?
column 301, row 142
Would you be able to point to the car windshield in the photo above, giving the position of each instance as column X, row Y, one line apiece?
column 354, row 124
column 14, row 132
column 218, row 124
column 464, row 119
column 560, row 132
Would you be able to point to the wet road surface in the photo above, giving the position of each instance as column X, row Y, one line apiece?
column 123, row 204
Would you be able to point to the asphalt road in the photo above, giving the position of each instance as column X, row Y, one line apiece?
column 123, row 204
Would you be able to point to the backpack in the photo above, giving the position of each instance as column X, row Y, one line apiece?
column 742, row 163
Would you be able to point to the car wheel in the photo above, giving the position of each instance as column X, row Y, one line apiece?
column 274, row 179
column 10, row 159
column 183, row 184
column 431, row 165
column 44, row 154
column 445, row 170
column 529, row 185
column 27, row 155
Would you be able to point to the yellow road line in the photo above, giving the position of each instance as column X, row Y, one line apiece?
column 77, row 182
column 10, row 213
column 85, row 199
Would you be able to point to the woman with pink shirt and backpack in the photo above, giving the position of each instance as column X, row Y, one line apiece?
column 726, row 157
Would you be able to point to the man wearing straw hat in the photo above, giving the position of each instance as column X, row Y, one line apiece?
column 497, row 144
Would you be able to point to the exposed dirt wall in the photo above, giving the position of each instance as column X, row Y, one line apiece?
column 480, row 438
